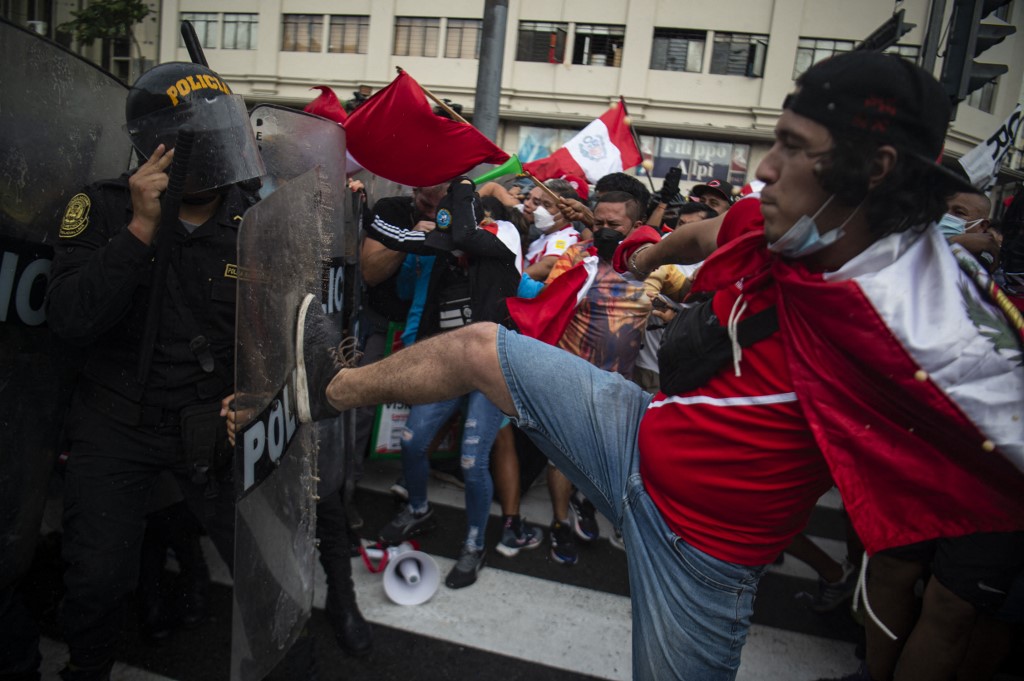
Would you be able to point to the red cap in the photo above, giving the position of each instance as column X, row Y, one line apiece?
column 579, row 185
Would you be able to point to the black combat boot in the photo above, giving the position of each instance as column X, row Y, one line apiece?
column 351, row 630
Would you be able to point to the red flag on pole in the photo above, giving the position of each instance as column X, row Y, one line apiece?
column 605, row 146
column 327, row 105
column 396, row 134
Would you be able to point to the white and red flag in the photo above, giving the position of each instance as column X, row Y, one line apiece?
column 605, row 146
column 911, row 381
column 396, row 134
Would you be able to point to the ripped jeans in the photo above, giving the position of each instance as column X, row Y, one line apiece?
column 483, row 420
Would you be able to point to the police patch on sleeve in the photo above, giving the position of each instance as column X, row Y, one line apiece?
column 444, row 219
column 76, row 216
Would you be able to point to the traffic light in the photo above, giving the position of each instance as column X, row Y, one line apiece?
column 968, row 38
column 888, row 34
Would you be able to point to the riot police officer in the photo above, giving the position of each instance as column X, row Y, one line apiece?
column 134, row 416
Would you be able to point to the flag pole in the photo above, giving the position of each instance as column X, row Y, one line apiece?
column 441, row 103
column 546, row 189
column 636, row 140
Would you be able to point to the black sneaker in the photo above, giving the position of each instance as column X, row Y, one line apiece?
column 405, row 525
column 318, row 361
column 470, row 562
column 584, row 519
column 563, row 548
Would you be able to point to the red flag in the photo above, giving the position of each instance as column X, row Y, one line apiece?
column 605, row 146
column 396, row 134
column 327, row 105
column 546, row 316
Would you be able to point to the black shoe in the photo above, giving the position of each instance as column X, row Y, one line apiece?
column 318, row 361
column 470, row 562
column 584, row 519
column 193, row 606
column 352, row 631
column 563, row 548
column 155, row 625
column 407, row 524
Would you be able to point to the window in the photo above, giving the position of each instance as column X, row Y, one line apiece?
column 739, row 54
column 205, row 24
column 348, row 34
column 984, row 97
column 908, row 52
column 810, row 51
column 121, row 59
column 416, row 36
column 539, row 142
column 598, row 45
column 700, row 160
column 302, row 33
column 541, row 41
column 463, row 39
column 678, row 50
column 240, row 31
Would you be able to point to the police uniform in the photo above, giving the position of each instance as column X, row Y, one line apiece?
column 122, row 433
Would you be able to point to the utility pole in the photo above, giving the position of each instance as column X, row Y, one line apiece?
column 488, row 76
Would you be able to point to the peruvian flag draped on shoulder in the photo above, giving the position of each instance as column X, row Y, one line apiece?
column 397, row 135
column 546, row 316
column 909, row 375
column 605, row 146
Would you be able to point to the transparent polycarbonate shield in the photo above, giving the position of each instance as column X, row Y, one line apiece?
column 224, row 150
column 60, row 129
column 291, row 142
column 281, row 247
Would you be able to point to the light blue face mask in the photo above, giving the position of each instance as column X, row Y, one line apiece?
column 804, row 238
column 951, row 225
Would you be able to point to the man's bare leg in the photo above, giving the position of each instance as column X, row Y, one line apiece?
column 439, row 368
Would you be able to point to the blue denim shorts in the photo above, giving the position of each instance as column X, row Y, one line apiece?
column 691, row 611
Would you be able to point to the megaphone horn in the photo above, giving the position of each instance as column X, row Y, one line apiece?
column 411, row 577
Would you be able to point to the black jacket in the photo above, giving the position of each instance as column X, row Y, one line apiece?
column 99, row 291
column 491, row 266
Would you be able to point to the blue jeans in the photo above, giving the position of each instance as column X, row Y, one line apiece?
column 691, row 612
column 482, row 422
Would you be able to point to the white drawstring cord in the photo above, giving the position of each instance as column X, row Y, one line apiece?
column 731, row 327
column 862, row 589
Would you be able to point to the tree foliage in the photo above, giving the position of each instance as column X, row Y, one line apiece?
column 106, row 20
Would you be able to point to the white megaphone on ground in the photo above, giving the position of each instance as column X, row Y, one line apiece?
column 411, row 577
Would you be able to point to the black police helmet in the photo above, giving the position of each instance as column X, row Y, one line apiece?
column 171, row 85
column 178, row 95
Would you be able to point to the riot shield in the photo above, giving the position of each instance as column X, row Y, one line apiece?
column 291, row 142
column 280, row 250
column 60, row 129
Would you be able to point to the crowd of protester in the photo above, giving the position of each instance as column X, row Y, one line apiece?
column 445, row 257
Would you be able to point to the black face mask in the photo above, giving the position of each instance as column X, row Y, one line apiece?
column 606, row 240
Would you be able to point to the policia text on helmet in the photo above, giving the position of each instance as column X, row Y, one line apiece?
column 175, row 95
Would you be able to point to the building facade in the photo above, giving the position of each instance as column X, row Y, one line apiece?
column 704, row 82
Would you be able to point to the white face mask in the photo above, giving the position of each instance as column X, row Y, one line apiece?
column 803, row 238
column 542, row 219
column 951, row 225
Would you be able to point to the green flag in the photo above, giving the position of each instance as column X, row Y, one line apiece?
column 510, row 167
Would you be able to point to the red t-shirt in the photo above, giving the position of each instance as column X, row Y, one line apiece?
column 732, row 466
